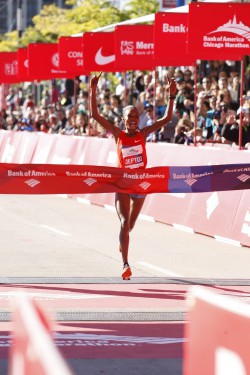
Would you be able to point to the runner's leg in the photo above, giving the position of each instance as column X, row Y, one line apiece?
column 122, row 204
column 135, row 209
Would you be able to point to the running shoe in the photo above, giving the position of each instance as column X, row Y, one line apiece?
column 126, row 273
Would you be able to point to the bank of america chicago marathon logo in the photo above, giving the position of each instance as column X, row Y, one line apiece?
column 233, row 26
column 32, row 182
column 130, row 47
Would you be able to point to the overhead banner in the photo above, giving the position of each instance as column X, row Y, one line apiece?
column 44, row 62
column 134, row 47
column 23, row 64
column 71, row 54
column 170, row 40
column 87, row 179
column 99, row 52
column 8, row 67
column 225, row 36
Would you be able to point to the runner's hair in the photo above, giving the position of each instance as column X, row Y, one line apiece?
column 127, row 109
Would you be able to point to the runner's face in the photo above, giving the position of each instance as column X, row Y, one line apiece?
column 131, row 119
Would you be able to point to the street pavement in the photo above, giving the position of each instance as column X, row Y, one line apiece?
column 64, row 254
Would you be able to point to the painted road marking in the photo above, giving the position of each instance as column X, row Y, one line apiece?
column 81, row 339
column 54, row 230
column 51, row 296
column 159, row 269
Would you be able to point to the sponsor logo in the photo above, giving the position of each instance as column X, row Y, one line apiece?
column 190, row 181
column 241, row 31
column 127, row 47
column 232, row 26
column 103, row 60
column 166, row 28
column 32, row 182
column 75, row 54
column 26, row 63
column 243, row 177
column 145, row 185
column 90, row 181
column 130, row 48
column 11, row 69
column 55, row 59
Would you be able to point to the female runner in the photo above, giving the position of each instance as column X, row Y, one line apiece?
column 128, row 206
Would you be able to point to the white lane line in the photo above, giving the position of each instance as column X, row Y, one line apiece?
column 227, row 240
column 110, row 208
column 183, row 228
column 57, row 231
column 83, row 200
column 51, row 296
column 159, row 269
column 147, row 218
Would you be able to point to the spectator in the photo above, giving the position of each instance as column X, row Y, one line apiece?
column 149, row 110
column 204, row 120
column 230, row 130
column 10, row 101
column 142, row 115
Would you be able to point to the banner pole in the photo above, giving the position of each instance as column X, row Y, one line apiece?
column 125, row 89
column 195, row 100
column 241, row 101
column 154, row 101
column 75, row 103
column 89, row 105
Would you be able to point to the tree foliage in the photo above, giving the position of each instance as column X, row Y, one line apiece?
column 138, row 8
column 86, row 15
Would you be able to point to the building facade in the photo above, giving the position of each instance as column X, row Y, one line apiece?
column 30, row 8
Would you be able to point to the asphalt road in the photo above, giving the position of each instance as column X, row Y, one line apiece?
column 45, row 237
column 54, row 236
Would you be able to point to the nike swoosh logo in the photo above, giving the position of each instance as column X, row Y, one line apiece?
column 103, row 60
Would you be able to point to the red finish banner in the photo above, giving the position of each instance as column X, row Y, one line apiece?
column 71, row 54
column 23, row 64
column 8, row 67
column 44, row 62
column 219, row 30
column 170, row 40
column 89, row 179
column 99, row 52
column 134, row 47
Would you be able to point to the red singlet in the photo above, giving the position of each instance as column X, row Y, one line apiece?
column 131, row 151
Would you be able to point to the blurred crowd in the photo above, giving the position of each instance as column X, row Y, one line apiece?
column 206, row 108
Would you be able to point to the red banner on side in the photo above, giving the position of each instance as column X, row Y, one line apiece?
column 134, row 47
column 23, row 64
column 33, row 350
column 217, row 334
column 99, row 52
column 170, row 40
column 219, row 31
column 8, row 67
column 44, row 62
column 71, row 54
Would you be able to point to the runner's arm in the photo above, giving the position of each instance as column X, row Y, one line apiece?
column 94, row 110
column 168, row 113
